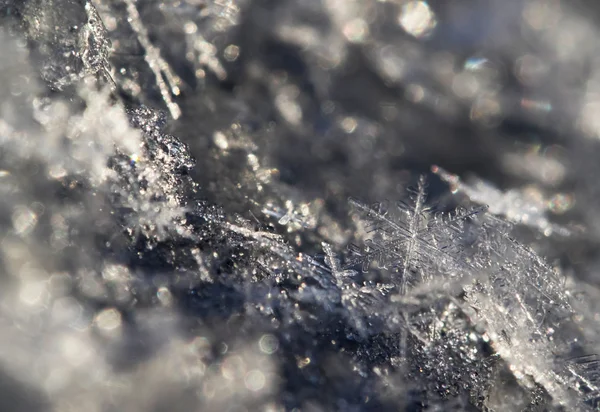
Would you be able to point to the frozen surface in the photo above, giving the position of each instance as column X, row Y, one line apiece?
column 299, row 205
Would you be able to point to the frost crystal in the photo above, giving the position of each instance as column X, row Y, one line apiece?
column 169, row 84
column 514, row 205
column 417, row 243
column 96, row 45
column 510, row 292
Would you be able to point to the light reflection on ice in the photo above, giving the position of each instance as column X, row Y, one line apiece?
column 417, row 18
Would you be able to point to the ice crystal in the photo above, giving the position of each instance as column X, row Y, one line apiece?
column 508, row 290
column 586, row 371
column 294, row 217
column 169, row 84
column 356, row 299
column 514, row 205
column 416, row 243
column 529, row 304
column 96, row 44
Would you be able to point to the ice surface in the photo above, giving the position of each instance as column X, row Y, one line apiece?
column 179, row 223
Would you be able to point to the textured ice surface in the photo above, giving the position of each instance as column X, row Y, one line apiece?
column 180, row 223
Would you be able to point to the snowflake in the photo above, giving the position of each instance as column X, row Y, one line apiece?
column 414, row 244
column 507, row 289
